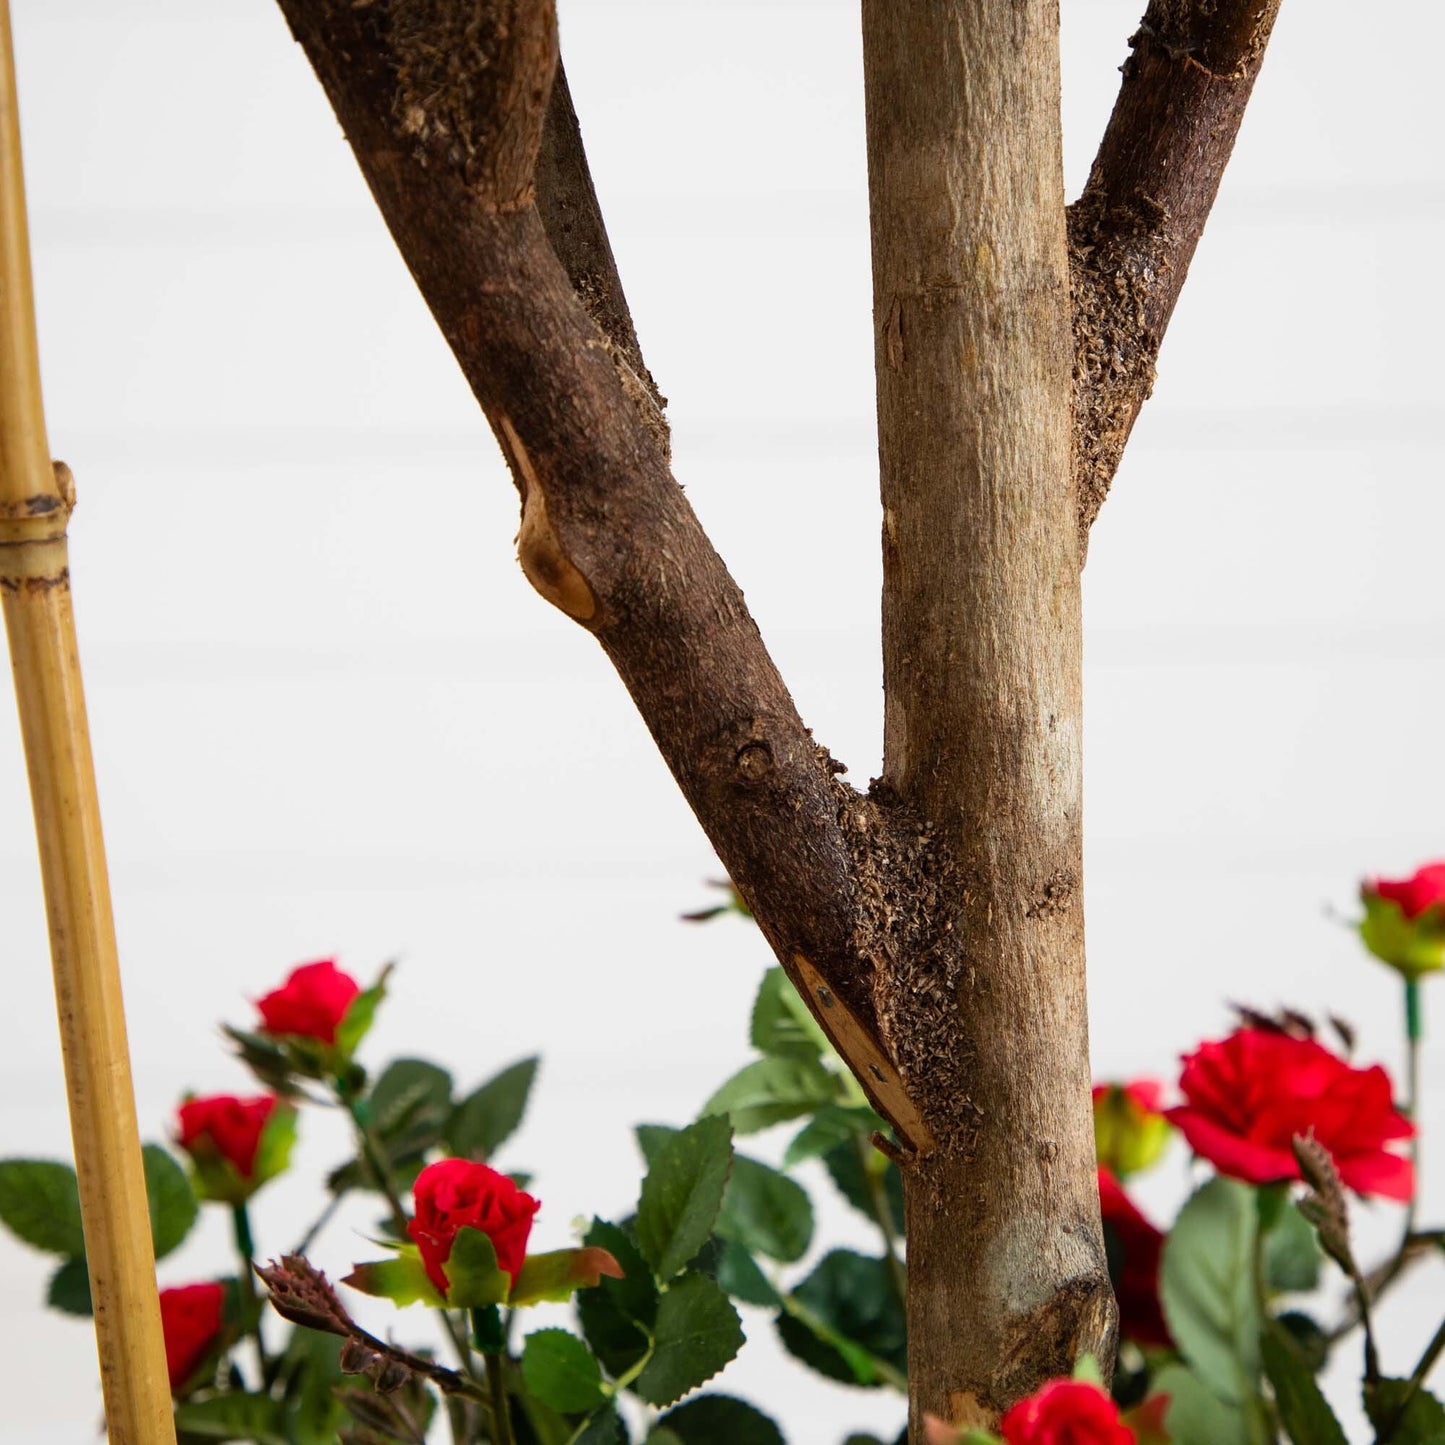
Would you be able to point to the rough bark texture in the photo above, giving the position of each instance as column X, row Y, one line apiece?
column 935, row 925
column 1133, row 232
column 982, row 680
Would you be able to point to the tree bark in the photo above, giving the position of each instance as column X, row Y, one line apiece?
column 982, row 680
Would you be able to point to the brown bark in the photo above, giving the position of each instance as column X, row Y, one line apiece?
column 1133, row 232
column 982, row 681
column 935, row 925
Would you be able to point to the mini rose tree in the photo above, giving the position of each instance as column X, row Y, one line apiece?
column 1226, row 1319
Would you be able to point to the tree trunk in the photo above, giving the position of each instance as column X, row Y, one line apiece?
column 982, row 679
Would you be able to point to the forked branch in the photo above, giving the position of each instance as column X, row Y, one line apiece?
column 606, row 533
column 1133, row 232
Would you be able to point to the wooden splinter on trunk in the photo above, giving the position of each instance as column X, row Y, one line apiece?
column 35, row 505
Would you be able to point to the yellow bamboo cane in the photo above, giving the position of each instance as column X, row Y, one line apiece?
column 35, row 504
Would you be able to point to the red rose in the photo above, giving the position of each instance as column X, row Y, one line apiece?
column 224, row 1127
column 191, row 1319
column 312, row 1002
column 1250, row 1094
column 1425, row 888
column 1066, row 1412
column 454, row 1194
column 1133, row 1246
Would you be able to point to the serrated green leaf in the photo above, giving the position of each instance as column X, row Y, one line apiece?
column 40, row 1204
column 1303, row 1410
column 234, row 1417
column 848, row 1171
column 561, row 1371
column 721, row 1420
column 771, row 1091
column 559, row 1275
column 172, row 1201
column 490, row 1115
column 696, row 1334
column 765, row 1210
column 1422, row 1421
column 1206, row 1286
column 474, row 1278
column 739, row 1276
column 402, row 1279
column 617, row 1316
column 782, row 1024
column 1292, row 1254
column 69, row 1289
column 682, row 1194
column 832, row 1125
column 1196, row 1416
column 407, row 1091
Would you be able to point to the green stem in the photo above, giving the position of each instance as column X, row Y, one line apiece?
column 613, row 1390
column 501, row 1411
column 1414, row 1037
column 883, row 1217
column 888, row 1374
column 251, row 1303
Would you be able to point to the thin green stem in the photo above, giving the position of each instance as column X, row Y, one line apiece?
column 882, row 1213
column 501, row 1411
column 1421, row 1372
column 613, row 1390
column 251, row 1302
column 1414, row 1037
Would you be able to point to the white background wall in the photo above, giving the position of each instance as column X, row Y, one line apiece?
column 330, row 716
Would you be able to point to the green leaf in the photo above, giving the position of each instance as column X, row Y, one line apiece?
column 40, row 1204
column 234, row 1417
column 403, row 1280
column 170, row 1196
column 697, row 1333
column 1197, row 1416
column 69, row 1289
column 561, row 1371
column 847, row 1171
column 1423, row 1421
column 1303, row 1410
column 766, row 1211
column 360, row 1013
column 1206, row 1286
column 311, row 1367
column 273, row 1149
column 782, row 1024
column 618, row 1315
column 473, row 1276
column 852, row 1319
column 1292, row 1254
column 771, row 1091
column 604, row 1428
column 739, row 1276
column 559, row 1275
column 720, row 1420
column 832, row 1125
column 682, row 1194
column 489, row 1116
column 410, row 1091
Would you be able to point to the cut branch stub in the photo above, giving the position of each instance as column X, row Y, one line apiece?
column 1133, row 232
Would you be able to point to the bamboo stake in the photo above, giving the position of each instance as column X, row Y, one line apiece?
column 35, row 505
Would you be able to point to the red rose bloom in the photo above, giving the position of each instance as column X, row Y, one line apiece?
column 312, row 1002
column 1134, row 1247
column 224, row 1126
column 1250, row 1094
column 1424, row 889
column 455, row 1194
column 191, row 1319
column 1066, row 1412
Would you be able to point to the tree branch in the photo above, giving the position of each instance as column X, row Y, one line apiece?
column 1133, row 232
column 606, row 533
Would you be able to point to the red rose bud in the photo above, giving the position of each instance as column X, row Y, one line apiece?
column 1066, row 1412
column 455, row 1194
column 311, row 1003
column 235, row 1144
column 1404, row 922
column 1247, row 1096
column 1130, row 1130
column 192, row 1317
column 1133, row 1246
